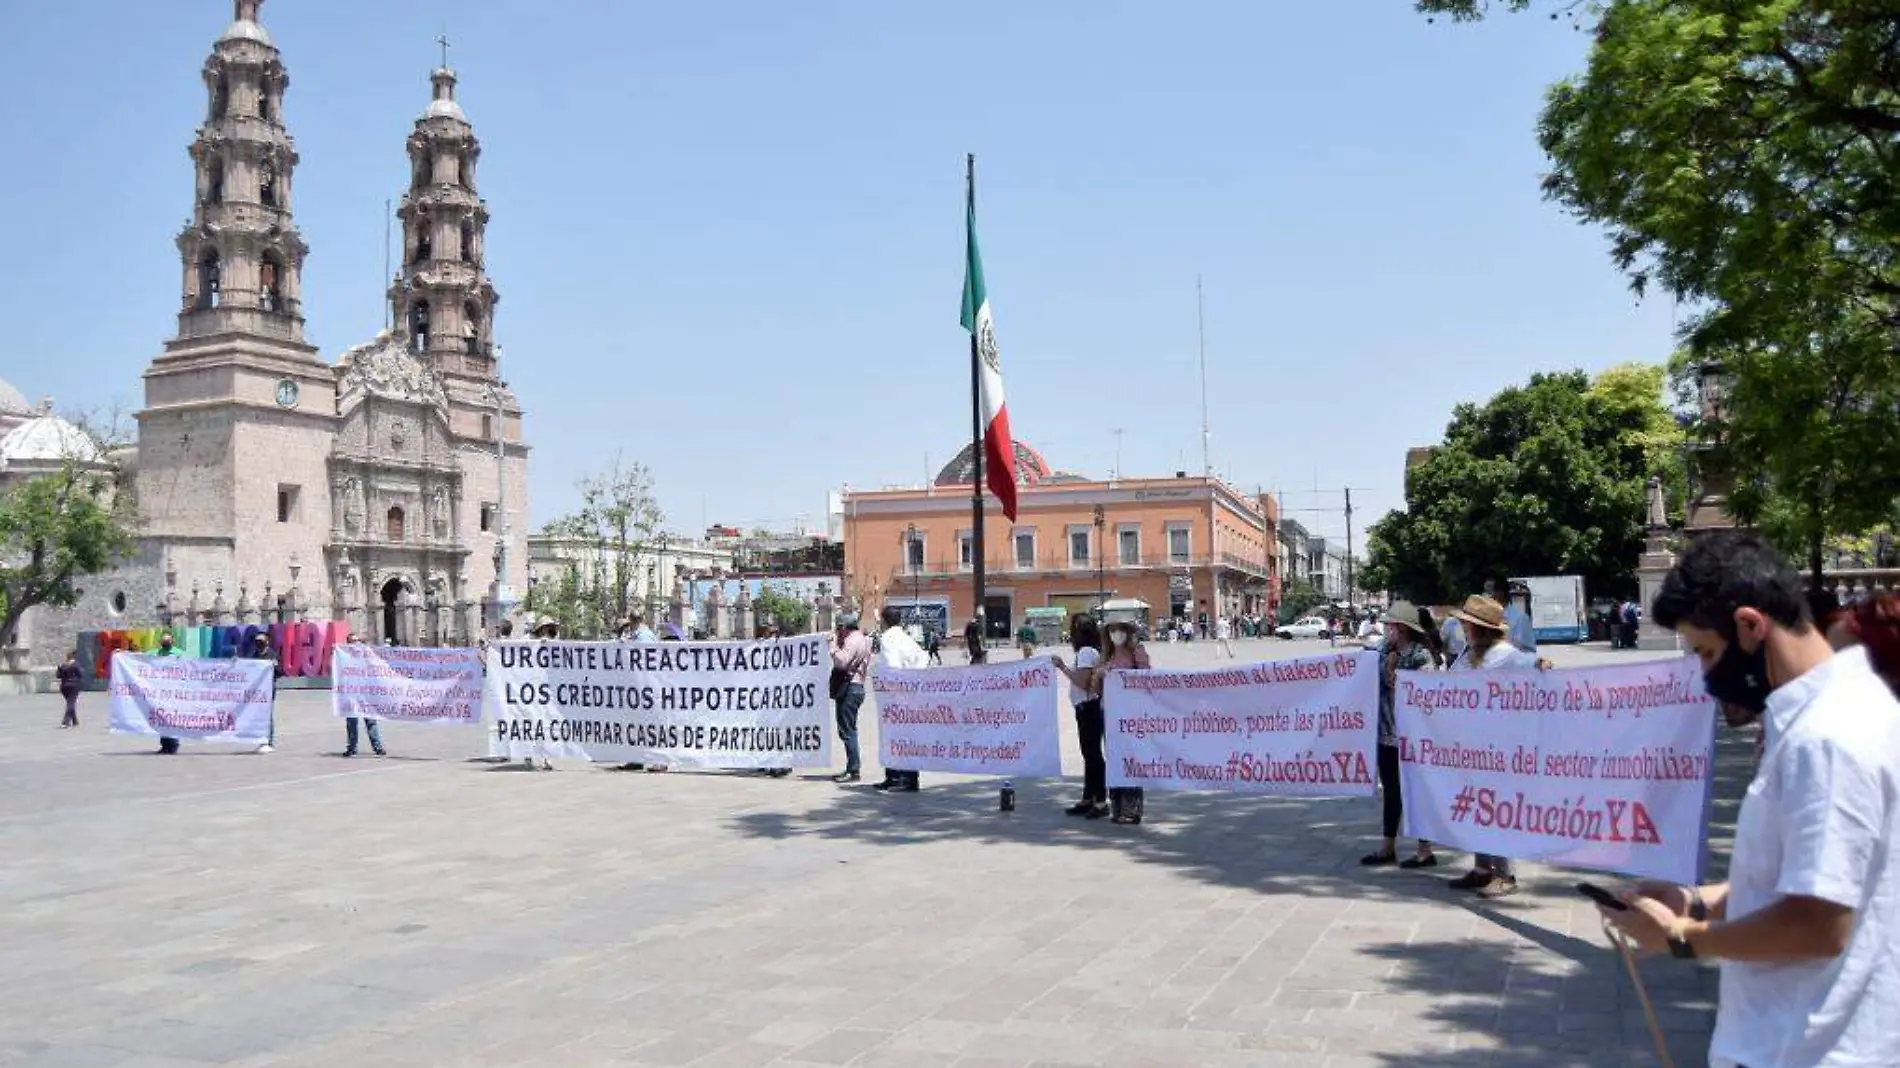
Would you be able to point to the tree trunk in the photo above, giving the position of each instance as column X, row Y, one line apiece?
column 1815, row 543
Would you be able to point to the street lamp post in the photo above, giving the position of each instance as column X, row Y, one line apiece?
column 1101, row 561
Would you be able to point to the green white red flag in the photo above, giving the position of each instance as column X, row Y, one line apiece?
column 999, row 451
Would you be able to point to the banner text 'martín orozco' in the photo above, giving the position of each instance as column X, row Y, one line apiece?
column 1303, row 727
column 688, row 704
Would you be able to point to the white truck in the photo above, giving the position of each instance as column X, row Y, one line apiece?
column 1559, row 611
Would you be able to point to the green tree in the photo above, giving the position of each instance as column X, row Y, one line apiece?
column 1549, row 478
column 619, row 522
column 1299, row 599
column 1742, row 155
column 792, row 615
column 55, row 529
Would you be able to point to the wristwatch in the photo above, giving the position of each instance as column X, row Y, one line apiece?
column 1698, row 908
column 1679, row 946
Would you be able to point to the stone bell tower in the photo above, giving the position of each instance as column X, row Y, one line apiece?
column 238, row 408
column 443, row 305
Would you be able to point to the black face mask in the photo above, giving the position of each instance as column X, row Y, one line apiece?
column 1740, row 677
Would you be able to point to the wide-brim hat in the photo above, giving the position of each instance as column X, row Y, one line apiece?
column 1480, row 611
column 1405, row 614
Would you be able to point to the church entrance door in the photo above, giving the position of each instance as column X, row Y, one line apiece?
column 392, row 610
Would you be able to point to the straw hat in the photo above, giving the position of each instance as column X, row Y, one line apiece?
column 1405, row 614
column 1481, row 612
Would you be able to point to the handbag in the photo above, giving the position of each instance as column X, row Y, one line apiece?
column 840, row 681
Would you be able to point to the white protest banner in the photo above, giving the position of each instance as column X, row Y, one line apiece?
column 1604, row 767
column 1296, row 728
column 984, row 719
column 404, row 685
column 188, row 697
column 760, row 704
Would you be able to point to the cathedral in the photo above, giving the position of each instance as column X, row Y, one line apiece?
column 386, row 489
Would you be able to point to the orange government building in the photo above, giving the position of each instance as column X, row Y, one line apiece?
column 1155, row 547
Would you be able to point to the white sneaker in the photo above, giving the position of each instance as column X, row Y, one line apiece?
column 267, row 748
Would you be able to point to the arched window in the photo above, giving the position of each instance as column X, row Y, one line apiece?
column 468, row 241
column 271, row 282
column 267, row 186
column 395, row 524
column 265, row 109
column 425, row 244
column 214, row 181
column 419, row 326
column 472, row 327
column 210, row 282
column 221, row 98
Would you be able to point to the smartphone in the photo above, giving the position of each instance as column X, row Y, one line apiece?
column 1602, row 897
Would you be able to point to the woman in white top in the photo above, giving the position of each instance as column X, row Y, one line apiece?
column 1085, row 638
column 1487, row 648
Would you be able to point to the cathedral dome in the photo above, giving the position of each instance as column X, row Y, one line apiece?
column 48, row 438
column 1031, row 468
column 12, row 401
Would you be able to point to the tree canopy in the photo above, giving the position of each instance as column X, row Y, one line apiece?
column 55, row 529
column 1548, row 478
column 1744, row 155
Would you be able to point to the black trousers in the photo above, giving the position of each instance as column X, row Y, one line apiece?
column 1093, row 729
column 1389, row 789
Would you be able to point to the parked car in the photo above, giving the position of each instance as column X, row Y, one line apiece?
column 1306, row 627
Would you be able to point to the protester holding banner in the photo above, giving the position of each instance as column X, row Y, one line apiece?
column 850, row 666
column 1488, row 648
column 1085, row 639
column 1125, row 653
column 897, row 649
column 168, row 746
column 261, row 650
column 349, row 722
column 1406, row 635
column 1805, row 927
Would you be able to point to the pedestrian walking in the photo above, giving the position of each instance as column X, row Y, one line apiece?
column 973, row 640
column 850, row 668
column 1405, row 649
column 897, row 649
column 1805, row 928
column 1124, row 653
column 933, row 646
column 69, row 675
column 1085, row 640
column 1026, row 640
column 1224, row 634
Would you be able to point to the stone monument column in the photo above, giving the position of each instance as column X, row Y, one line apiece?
column 824, row 611
column 715, row 611
column 1658, row 557
column 742, row 619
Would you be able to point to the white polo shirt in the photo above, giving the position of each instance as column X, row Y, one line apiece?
column 1819, row 821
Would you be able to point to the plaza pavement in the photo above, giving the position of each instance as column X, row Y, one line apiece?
column 226, row 908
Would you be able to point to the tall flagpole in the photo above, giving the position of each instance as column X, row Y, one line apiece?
column 976, row 414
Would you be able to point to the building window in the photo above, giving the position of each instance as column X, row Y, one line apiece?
column 472, row 327
column 395, row 524
column 270, row 275
column 425, row 244
column 288, row 498
column 221, row 98
column 914, row 553
column 468, row 240
column 267, row 187
column 1025, row 550
column 419, row 326
column 1078, row 547
column 214, row 181
column 1178, row 545
column 1130, row 542
column 210, row 280
column 966, row 549
column 488, row 518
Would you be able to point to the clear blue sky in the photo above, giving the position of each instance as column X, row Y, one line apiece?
column 728, row 236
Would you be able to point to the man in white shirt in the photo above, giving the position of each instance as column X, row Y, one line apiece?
column 1807, row 926
column 897, row 649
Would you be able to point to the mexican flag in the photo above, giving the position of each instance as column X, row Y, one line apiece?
column 999, row 451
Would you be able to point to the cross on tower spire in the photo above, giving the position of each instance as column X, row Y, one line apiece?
column 443, row 40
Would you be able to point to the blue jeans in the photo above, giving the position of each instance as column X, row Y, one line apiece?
column 349, row 731
column 848, row 706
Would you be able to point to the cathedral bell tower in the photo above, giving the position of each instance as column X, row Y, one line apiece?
column 242, row 255
column 239, row 409
column 442, row 301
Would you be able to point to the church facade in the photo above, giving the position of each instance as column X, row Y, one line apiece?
column 386, row 489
